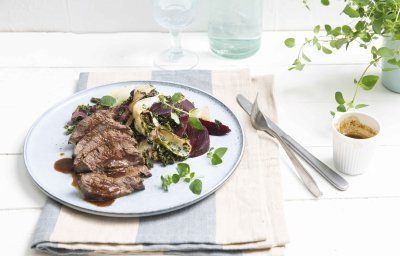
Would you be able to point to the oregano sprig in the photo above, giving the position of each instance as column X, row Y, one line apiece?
column 371, row 20
column 182, row 173
column 216, row 155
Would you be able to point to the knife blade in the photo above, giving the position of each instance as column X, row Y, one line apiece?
column 325, row 171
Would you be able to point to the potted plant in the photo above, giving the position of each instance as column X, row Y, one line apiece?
column 372, row 19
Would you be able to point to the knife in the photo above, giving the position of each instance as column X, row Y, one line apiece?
column 325, row 171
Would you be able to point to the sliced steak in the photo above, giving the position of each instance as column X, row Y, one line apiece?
column 99, row 121
column 95, row 138
column 106, row 151
column 106, row 162
column 98, row 186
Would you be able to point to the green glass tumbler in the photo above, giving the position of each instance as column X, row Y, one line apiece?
column 234, row 27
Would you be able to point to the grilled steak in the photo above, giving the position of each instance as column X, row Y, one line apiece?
column 94, row 139
column 106, row 162
column 99, row 187
column 101, row 120
column 107, row 149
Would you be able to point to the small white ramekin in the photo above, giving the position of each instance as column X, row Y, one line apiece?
column 353, row 156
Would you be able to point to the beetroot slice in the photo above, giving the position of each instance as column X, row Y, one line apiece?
column 215, row 128
column 181, row 128
column 185, row 104
column 199, row 139
column 160, row 109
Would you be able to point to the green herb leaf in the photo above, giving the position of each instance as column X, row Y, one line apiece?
column 351, row 12
column 377, row 25
column 347, row 30
column 394, row 62
column 388, row 69
column 328, row 28
column 368, row 82
column 385, row 52
column 107, row 101
column 177, row 97
column 195, row 123
column 165, row 182
column 336, row 31
column 220, row 151
column 338, row 43
column 360, row 25
column 175, row 117
column 305, row 57
column 361, row 106
column 325, row 2
column 183, row 173
column 326, row 50
column 183, row 169
column 317, row 29
column 175, row 178
column 216, row 160
column 333, row 114
column 290, row 42
column 341, row 108
column 339, row 98
column 298, row 65
column 196, row 186
column 210, row 152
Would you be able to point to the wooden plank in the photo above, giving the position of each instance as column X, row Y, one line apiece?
column 127, row 15
column 140, row 49
column 326, row 227
column 17, row 228
column 343, row 227
column 381, row 181
column 17, row 186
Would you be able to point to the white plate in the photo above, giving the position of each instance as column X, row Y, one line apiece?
column 46, row 140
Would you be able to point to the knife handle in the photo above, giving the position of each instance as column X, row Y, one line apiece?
column 331, row 176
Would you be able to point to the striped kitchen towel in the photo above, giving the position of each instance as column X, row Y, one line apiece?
column 245, row 216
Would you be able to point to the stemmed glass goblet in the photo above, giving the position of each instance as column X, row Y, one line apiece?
column 175, row 15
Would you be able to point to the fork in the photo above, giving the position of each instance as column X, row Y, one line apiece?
column 259, row 123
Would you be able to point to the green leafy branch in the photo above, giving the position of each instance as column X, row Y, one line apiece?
column 372, row 19
column 216, row 155
column 182, row 173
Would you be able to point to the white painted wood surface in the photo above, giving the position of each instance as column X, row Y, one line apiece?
column 83, row 16
column 39, row 69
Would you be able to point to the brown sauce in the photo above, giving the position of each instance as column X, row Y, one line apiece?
column 102, row 203
column 74, row 182
column 356, row 136
column 352, row 127
column 64, row 165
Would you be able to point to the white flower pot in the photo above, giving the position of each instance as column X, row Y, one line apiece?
column 391, row 79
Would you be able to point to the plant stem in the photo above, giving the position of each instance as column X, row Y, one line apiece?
column 174, row 108
column 362, row 76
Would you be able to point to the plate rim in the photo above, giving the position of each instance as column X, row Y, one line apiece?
column 152, row 213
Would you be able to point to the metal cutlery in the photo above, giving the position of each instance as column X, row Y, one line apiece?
column 325, row 171
column 260, row 123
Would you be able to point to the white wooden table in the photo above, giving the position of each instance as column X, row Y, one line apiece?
column 39, row 69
